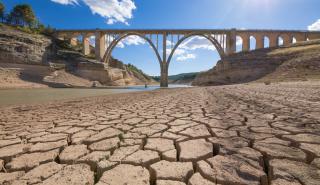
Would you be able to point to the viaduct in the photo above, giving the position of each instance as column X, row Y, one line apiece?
column 223, row 40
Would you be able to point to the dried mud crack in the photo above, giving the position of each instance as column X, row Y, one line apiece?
column 242, row 134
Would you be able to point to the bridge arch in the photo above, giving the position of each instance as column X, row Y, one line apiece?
column 240, row 44
column 253, row 42
column 215, row 43
column 280, row 40
column 113, row 44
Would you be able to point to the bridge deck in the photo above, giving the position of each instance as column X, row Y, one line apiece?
column 182, row 31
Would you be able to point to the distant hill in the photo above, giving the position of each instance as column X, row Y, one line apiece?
column 183, row 78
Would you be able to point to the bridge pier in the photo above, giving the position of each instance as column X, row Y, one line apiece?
column 231, row 42
column 100, row 45
column 273, row 41
column 246, row 43
column 86, row 44
column 73, row 41
column 287, row 40
column 259, row 41
column 300, row 37
column 164, row 65
column 164, row 75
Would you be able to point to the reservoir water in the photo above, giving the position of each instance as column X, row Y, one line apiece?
column 31, row 96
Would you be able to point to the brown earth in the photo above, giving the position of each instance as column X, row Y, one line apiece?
column 239, row 134
column 298, row 62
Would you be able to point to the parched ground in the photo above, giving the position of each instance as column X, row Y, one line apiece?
column 243, row 134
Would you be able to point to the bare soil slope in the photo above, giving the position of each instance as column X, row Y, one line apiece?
column 297, row 62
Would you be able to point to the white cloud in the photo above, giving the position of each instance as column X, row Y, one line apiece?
column 185, row 57
column 131, row 40
column 315, row 26
column 66, row 2
column 197, row 43
column 186, row 50
column 113, row 10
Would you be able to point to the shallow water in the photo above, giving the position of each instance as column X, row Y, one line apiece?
column 30, row 96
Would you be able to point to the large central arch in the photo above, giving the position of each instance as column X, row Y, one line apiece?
column 113, row 44
column 214, row 42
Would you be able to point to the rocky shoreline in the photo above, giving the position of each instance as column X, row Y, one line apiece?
column 239, row 134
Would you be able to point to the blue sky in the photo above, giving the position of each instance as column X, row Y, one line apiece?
column 174, row 14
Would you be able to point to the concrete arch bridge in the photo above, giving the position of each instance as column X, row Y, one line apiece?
column 165, row 42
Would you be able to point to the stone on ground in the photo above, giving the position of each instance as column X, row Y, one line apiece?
column 73, row 152
column 77, row 174
column 159, row 144
column 125, row 174
column 195, row 150
column 232, row 170
column 292, row 172
column 142, row 157
column 41, row 172
column 28, row 161
column 176, row 171
column 197, row 179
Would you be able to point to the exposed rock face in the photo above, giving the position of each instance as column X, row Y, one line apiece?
column 35, row 61
column 19, row 47
column 297, row 62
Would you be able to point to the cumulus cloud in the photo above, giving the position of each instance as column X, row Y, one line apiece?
column 66, row 2
column 187, row 49
column 185, row 57
column 131, row 40
column 197, row 43
column 315, row 26
column 113, row 10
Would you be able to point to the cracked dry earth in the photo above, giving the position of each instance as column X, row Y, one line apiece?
column 230, row 135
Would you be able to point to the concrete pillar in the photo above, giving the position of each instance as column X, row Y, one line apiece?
column 73, row 41
column 86, row 45
column 164, row 66
column 100, row 47
column 273, row 39
column 231, row 42
column 246, row 43
column 287, row 40
column 300, row 37
column 164, row 75
column 259, row 41
column 313, row 36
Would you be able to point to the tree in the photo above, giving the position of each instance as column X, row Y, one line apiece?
column 1, row 11
column 22, row 15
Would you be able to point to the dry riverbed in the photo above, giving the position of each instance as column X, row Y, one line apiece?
column 241, row 134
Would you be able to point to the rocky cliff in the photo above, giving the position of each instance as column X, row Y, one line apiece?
column 35, row 60
column 296, row 62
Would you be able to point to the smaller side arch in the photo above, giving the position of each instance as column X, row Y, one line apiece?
column 253, row 42
column 266, row 42
column 239, row 47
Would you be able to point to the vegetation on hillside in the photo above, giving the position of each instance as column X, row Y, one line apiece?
column 179, row 77
column 133, row 68
column 1, row 12
column 24, row 19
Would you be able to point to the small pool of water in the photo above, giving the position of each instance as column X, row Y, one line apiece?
column 30, row 96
